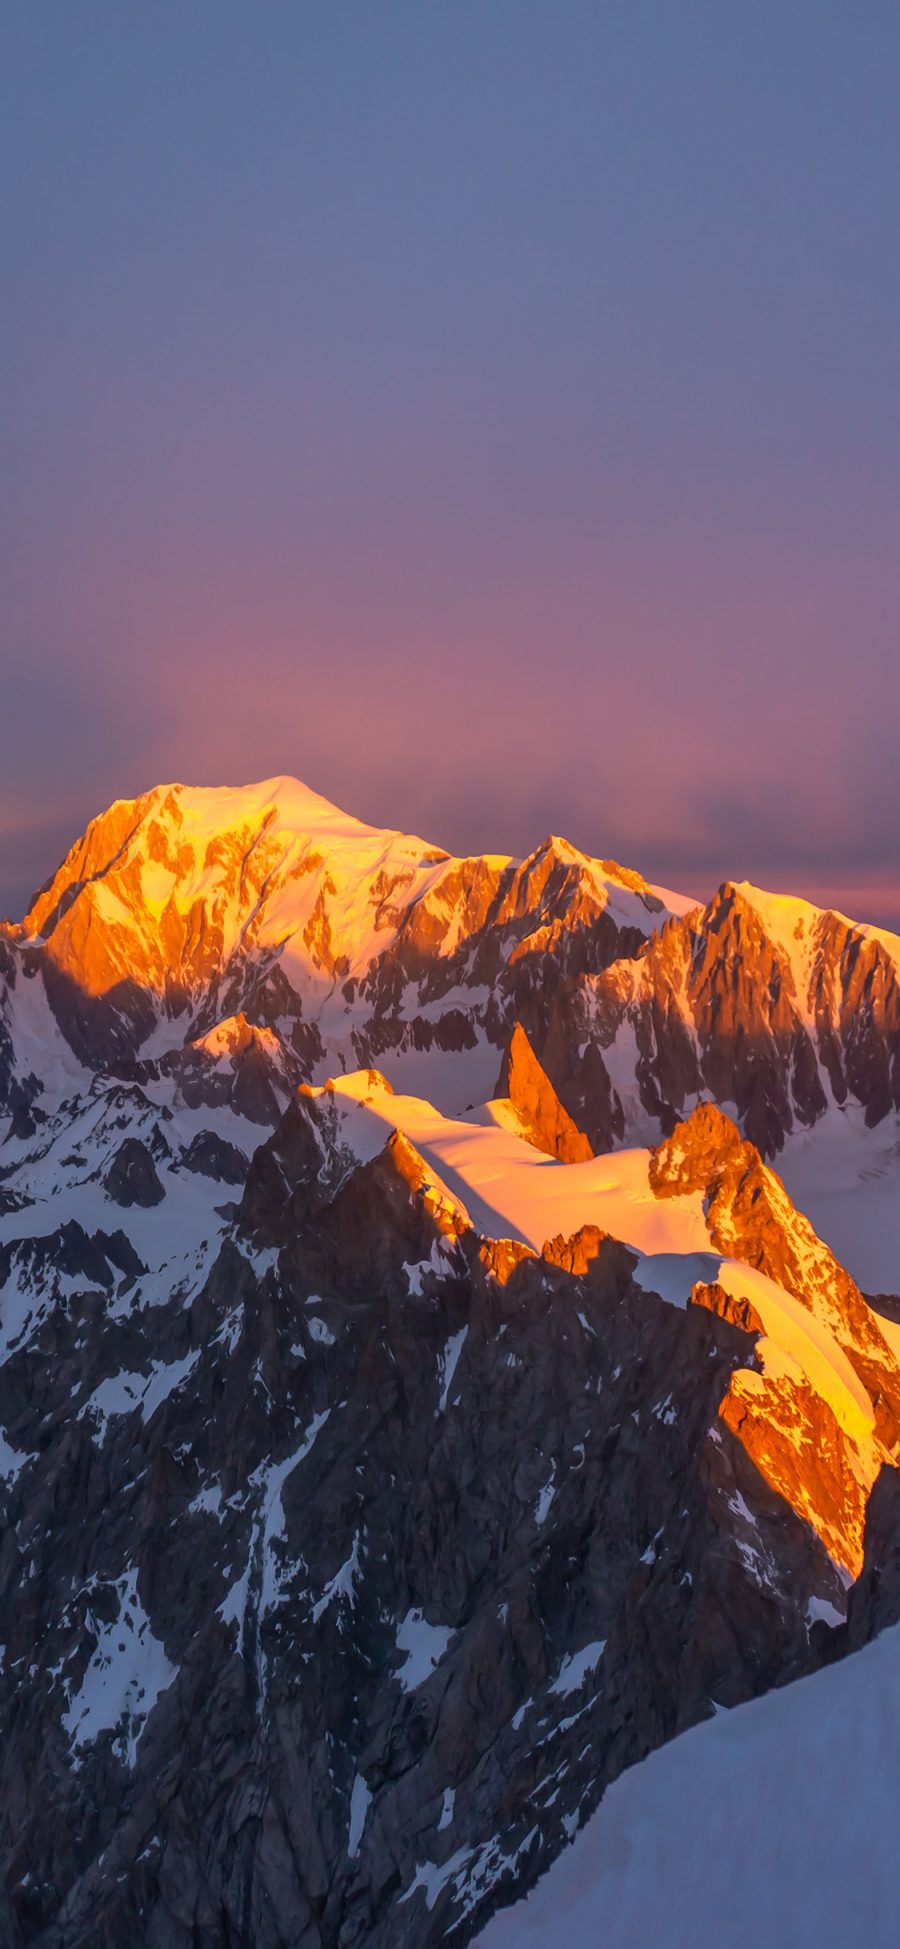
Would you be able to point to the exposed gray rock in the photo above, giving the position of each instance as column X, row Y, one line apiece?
column 428, row 1556
column 213, row 1157
column 132, row 1178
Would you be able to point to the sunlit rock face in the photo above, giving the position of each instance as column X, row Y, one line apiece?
column 533, row 1100
column 349, row 944
column 386, row 1464
column 768, row 1005
column 819, row 1434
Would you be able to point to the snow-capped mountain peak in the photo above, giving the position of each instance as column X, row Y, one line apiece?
column 352, row 942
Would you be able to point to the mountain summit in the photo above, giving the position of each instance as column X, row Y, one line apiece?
column 189, row 906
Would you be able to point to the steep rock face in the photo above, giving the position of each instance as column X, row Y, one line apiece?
column 236, row 1064
column 765, row 1004
column 874, row 1603
column 541, row 1116
column 132, row 1178
column 333, row 1594
column 751, row 1217
column 214, row 1157
column 821, row 1458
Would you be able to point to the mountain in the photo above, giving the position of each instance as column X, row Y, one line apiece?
column 342, row 1575
column 186, row 909
column 193, row 913
column 765, row 1004
column 385, row 1469
column 766, row 1823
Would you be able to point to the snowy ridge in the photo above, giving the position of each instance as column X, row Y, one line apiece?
column 765, row 1824
column 507, row 1188
column 812, row 1351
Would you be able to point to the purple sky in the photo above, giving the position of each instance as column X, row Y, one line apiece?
column 488, row 412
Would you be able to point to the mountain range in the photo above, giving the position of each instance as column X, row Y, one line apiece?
column 448, row 1348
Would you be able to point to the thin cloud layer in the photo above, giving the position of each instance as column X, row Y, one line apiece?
column 484, row 420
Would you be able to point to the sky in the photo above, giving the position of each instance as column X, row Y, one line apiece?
column 486, row 410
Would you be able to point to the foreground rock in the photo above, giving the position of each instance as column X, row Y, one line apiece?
column 333, row 1599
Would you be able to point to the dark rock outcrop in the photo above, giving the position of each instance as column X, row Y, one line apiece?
column 875, row 1598
column 401, row 1544
column 132, row 1178
column 213, row 1156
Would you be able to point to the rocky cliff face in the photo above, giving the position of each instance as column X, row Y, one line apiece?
column 335, row 1590
column 766, row 1005
column 823, row 1459
column 540, row 1116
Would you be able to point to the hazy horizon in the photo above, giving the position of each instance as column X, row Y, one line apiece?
column 484, row 414
column 46, row 847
